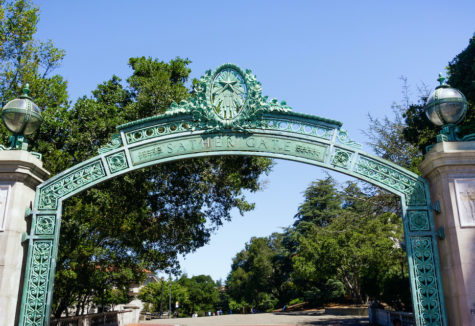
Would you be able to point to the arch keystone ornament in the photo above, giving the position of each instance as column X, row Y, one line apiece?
column 228, row 115
column 228, row 92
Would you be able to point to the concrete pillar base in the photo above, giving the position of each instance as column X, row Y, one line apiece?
column 450, row 169
column 20, row 173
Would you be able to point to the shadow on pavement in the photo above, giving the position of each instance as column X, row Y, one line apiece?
column 301, row 313
column 326, row 319
column 337, row 322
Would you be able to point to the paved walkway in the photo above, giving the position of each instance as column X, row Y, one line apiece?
column 266, row 319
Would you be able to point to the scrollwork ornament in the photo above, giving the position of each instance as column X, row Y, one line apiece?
column 426, row 282
column 115, row 142
column 345, row 139
column 45, row 224
column 415, row 193
column 37, row 287
column 384, row 173
column 69, row 183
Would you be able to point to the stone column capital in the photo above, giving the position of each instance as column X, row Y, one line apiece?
column 22, row 166
column 453, row 155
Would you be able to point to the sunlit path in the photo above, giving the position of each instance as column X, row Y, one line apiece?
column 265, row 319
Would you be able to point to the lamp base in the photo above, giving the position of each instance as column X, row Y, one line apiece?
column 470, row 137
column 448, row 133
column 18, row 142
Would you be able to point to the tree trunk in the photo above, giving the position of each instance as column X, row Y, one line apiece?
column 78, row 307
column 161, row 300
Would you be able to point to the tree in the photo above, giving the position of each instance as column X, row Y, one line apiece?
column 224, row 299
column 253, row 280
column 259, row 275
column 321, row 204
column 202, row 294
column 404, row 138
column 135, row 219
column 344, row 245
column 351, row 255
column 462, row 71
column 153, row 293
column 418, row 130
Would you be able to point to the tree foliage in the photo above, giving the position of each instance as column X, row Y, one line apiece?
column 461, row 72
column 353, row 253
column 141, row 220
column 344, row 245
column 198, row 294
column 259, row 274
column 322, row 203
column 403, row 139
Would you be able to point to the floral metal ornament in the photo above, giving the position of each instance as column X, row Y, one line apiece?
column 227, row 99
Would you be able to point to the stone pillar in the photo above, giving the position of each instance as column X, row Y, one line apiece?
column 20, row 173
column 450, row 169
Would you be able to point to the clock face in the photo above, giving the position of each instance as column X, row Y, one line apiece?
column 228, row 93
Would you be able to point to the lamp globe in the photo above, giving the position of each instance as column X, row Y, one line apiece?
column 22, row 117
column 446, row 106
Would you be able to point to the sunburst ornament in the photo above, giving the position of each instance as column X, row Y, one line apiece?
column 228, row 93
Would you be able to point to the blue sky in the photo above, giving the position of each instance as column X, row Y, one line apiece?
column 335, row 59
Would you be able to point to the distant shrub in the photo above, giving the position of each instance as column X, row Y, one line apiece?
column 295, row 301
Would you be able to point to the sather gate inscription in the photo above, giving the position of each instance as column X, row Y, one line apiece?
column 229, row 116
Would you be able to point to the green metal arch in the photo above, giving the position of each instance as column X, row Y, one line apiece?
column 190, row 130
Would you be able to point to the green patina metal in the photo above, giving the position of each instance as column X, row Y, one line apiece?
column 229, row 116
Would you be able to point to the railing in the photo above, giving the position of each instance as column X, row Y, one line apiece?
column 101, row 319
column 383, row 317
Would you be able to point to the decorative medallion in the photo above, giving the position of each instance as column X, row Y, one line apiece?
column 341, row 158
column 117, row 162
column 228, row 93
column 418, row 221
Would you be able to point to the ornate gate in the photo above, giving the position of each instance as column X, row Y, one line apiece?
column 229, row 116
